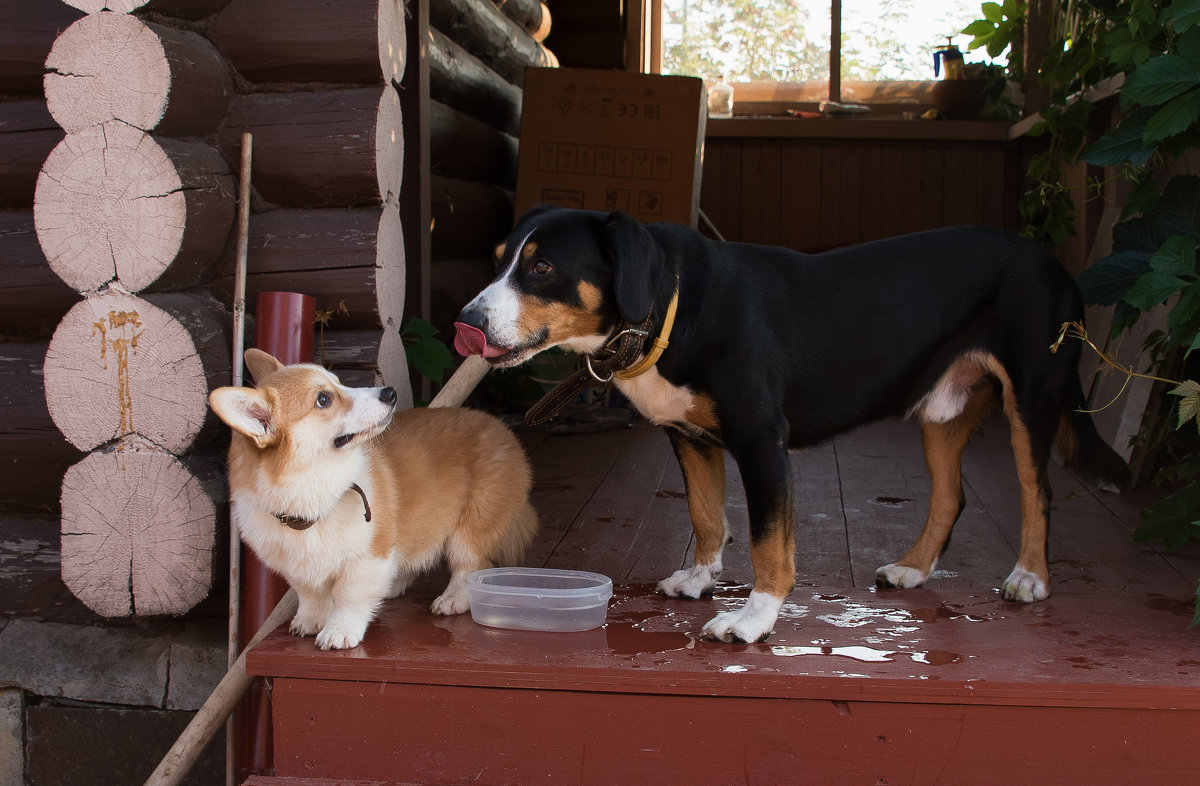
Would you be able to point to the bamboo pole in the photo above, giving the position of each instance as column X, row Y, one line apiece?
column 239, row 342
column 219, row 705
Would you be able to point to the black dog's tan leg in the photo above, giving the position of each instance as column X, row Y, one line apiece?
column 944, row 444
column 1030, row 577
column 766, row 473
column 703, row 468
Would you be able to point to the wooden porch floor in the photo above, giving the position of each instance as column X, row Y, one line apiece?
column 943, row 684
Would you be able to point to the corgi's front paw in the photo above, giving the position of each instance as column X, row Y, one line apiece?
column 340, row 636
column 451, row 603
column 305, row 625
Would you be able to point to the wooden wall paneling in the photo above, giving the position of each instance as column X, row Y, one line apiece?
column 750, row 194
column 770, row 177
column 933, row 187
column 871, row 205
column 895, row 189
column 964, row 185
column 803, row 212
column 913, row 194
column 828, row 232
column 849, row 221
column 994, row 171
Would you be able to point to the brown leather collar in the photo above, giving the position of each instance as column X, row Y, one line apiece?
column 620, row 353
column 300, row 523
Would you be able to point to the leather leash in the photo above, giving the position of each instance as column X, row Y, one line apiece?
column 615, row 359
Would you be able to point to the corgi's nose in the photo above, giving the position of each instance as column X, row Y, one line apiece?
column 387, row 395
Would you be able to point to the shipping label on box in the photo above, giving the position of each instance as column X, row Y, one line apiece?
column 612, row 140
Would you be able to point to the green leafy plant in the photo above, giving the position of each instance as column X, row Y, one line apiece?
column 426, row 353
column 1001, row 25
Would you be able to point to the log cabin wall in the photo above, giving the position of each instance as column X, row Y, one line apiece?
column 368, row 163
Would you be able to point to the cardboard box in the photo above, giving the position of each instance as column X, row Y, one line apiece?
column 612, row 140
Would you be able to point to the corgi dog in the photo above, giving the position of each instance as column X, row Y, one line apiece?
column 350, row 500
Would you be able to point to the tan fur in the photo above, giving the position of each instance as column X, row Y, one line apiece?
column 441, row 483
column 560, row 320
column 704, row 473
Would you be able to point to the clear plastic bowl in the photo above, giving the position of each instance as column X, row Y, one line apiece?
column 539, row 598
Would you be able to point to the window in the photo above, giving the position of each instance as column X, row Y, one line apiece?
column 780, row 50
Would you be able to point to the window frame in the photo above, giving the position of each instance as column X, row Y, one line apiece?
column 644, row 53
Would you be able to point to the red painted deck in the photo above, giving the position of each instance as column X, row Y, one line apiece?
column 944, row 684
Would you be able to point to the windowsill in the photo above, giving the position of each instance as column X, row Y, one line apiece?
column 862, row 127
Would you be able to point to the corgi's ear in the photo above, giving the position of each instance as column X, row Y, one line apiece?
column 261, row 364
column 247, row 411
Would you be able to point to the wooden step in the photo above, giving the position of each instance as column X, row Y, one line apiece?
column 946, row 684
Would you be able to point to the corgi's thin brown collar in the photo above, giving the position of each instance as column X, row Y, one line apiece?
column 301, row 523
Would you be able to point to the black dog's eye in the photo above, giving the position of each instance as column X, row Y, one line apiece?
column 324, row 400
column 542, row 267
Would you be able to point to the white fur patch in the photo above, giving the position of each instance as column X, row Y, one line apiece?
column 691, row 582
column 752, row 622
column 657, row 399
column 949, row 396
column 501, row 304
column 900, row 576
column 1024, row 587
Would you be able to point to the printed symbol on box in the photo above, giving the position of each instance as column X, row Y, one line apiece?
column 566, row 158
column 641, row 164
column 616, row 199
column 585, row 160
column 650, row 203
column 651, row 111
column 587, row 107
column 623, row 163
column 563, row 198
column 565, row 104
column 547, row 156
column 662, row 165
column 627, row 109
column 604, row 160
column 606, row 107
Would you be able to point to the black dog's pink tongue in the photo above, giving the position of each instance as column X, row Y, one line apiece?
column 469, row 340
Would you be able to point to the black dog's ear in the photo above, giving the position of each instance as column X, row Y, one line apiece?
column 637, row 263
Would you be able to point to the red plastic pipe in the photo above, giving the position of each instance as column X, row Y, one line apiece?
column 283, row 326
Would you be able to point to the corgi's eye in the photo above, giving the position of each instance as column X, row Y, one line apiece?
column 542, row 267
column 324, row 400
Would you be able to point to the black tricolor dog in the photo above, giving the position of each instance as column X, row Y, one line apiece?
column 772, row 349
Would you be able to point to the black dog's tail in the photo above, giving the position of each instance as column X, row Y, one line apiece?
column 1085, row 450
